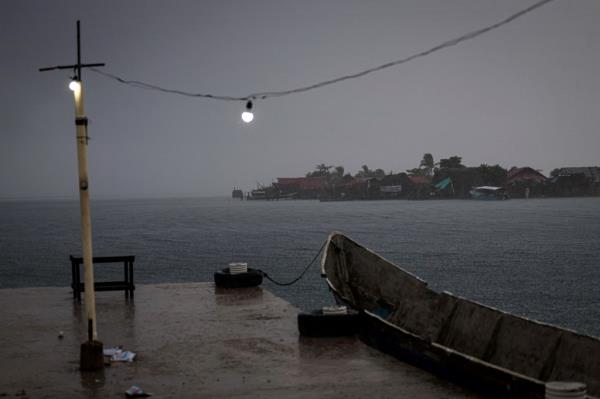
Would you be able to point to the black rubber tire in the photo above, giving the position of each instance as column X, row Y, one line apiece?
column 251, row 278
column 317, row 324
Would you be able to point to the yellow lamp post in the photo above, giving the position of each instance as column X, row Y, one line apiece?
column 91, row 351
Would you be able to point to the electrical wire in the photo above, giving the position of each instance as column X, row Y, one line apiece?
column 268, row 94
column 148, row 86
column 301, row 274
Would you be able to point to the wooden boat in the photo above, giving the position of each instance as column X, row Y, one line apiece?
column 499, row 353
column 258, row 194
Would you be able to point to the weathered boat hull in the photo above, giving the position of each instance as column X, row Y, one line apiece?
column 503, row 354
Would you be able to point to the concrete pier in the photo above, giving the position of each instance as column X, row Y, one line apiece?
column 192, row 340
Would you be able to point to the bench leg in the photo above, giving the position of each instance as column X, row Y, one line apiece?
column 73, row 282
column 126, row 278
column 78, row 283
column 131, row 280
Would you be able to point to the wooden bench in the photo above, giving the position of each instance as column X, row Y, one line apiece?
column 126, row 284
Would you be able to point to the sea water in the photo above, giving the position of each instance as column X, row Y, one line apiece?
column 538, row 258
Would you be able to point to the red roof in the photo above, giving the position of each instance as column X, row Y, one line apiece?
column 303, row 183
column 353, row 183
column 416, row 179
column 525, row 174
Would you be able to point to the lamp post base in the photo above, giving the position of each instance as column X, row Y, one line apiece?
column 91, row 356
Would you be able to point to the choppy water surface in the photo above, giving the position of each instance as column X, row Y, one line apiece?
column 538, row 258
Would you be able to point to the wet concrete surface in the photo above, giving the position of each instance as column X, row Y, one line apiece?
column 192, row 340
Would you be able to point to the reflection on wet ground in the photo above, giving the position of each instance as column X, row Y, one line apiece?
column 191, row 340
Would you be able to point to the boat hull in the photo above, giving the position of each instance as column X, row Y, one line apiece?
column 500, row 353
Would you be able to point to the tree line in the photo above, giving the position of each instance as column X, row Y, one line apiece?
column 427, row 167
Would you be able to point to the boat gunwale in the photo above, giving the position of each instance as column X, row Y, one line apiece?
column 330, row 242
column 444, row 292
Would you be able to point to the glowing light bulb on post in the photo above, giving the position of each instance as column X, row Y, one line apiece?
column 247, row 115
column 74, row 85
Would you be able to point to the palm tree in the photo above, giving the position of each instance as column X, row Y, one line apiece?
column 320, row 170
column 323, row 169
column 427, row 164
column 365, row 172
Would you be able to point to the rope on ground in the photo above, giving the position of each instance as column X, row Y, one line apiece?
column 301, row 274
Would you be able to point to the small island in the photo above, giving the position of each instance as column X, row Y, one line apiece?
column 446, row 179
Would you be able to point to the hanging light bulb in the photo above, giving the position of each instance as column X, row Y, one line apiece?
column 247, row 115
column 74, row 85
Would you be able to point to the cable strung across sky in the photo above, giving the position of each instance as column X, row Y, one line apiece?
column 268, row 94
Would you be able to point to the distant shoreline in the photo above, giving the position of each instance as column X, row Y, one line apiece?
column 229, row 199
column 103, row 198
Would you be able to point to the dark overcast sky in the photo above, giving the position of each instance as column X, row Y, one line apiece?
column 525, row 94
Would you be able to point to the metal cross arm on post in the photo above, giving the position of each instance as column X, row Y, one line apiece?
column 74, row 66
column 91, row 350
column 78, row 66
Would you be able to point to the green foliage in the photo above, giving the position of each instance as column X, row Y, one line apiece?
column 320, row 170
column 426, row 166
column 379, row 172
column 454, row 162
column 366, row 172
column 492, row 175
column 427, row 161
